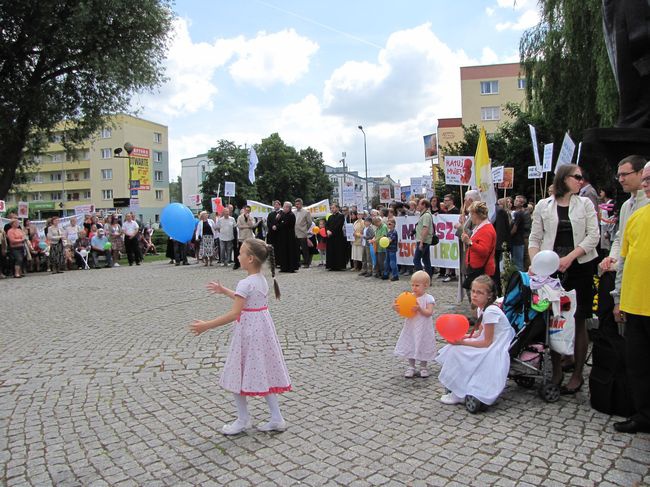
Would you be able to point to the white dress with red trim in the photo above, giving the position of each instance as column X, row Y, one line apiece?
column 255, row 365
column 418, row 339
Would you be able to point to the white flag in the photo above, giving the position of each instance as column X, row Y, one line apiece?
column 252, row 164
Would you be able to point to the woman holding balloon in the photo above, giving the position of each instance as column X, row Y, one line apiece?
column 567, row 224
column 476, row 365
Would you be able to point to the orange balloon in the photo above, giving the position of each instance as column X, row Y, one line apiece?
column 452, row 327
column 315, row 230
column 405, row 303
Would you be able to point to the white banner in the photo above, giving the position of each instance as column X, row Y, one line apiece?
column 459, row 170
column 259, row 210
column 445, row 254
column 321, row 208
column 533, row 138
column 497, row 174
column 361, row 200
column 534, row 173
column 229, row 188
column 566, row 151
column 348, row 195
column 82, row 210
column 548, row 158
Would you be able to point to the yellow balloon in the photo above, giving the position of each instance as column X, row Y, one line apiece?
column 384, row 242
column 315, row 230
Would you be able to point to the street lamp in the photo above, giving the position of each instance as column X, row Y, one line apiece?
column 128, row 147
column 365, row 156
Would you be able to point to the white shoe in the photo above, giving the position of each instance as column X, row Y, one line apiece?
column 272, row 426
column 409, row 373
column 236, row 427
column 424, row 373
column 116, row 265
column 451, row 399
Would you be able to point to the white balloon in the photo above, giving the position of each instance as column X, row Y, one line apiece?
column 545, row 263
column 83, row 252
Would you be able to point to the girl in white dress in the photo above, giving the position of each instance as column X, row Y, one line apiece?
column 478, row 366
column 255, row 364
column 417, row 340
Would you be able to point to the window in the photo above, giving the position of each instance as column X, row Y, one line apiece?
column 521, row 83
column 84, row 155
column 107, row 174
column 56, row 196
column 106, row 153
column 489, row 87
column 36, row 196
column 56, row 157
column 56, row 138
column 156, row 218
column 157, row 137
column 158, row 175
column 106, row 133
column 86, row 174
column 73, row 196
column 72, row 176
column 159, row 194
column 86, row 194
column 37, row 178
column 157, row 156
column 56, row 176
column 490, row 113
column 107, row 194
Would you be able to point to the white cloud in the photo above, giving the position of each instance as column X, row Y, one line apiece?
column 526, row 20
column 489, row 11
column 270, row 58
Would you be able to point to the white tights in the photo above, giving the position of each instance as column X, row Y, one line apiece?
column 242, row 407
column 423, row 363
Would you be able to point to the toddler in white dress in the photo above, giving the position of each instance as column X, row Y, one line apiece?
column 417, row 340
column 255, row 364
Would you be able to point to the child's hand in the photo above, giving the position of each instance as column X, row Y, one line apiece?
column 395, row 307
column 197, row 327
column 415, row 309
column 215, row 287
column 460, row 341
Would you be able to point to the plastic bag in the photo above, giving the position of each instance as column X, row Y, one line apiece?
column 562, row 327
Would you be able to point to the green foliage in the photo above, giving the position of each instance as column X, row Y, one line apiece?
column 75, row 62
column 230, row 164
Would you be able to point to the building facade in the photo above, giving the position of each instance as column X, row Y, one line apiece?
column 194, row 170
column 96, row 175
column 485, row 90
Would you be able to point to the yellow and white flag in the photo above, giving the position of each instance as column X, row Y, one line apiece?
column 484, row 174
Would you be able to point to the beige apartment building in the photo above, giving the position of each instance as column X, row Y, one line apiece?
column 99, row 177
column 485, row 90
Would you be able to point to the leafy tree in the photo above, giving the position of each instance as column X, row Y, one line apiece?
column 569, row 81
column 74, row 62
column 230, row 164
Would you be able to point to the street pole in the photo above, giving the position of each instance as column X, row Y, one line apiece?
column 365, row 156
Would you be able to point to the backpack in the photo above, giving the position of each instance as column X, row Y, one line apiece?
column 517, row 300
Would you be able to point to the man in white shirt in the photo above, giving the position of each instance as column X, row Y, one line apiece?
column 226, row 228
column 131, row 229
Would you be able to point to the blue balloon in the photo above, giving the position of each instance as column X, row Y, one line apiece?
column 178, row 222
column 42, row 245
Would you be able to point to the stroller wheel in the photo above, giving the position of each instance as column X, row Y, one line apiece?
column 549, row 392
column 473, row 405
column 525, row 382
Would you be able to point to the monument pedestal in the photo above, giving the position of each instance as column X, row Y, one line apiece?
column 613, row 144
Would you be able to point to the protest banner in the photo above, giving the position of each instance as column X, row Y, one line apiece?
column 194, row 200
column 445, row 254
column 81, row 210
column 547, row 165
column 360, row 200
column 534, row 173
column 349, row 232
column 459, row 171
column 430, row 146
column 321, row 208
column 23, row 209
column 497, row 174
column 508, row 178
column 533, row 138
column 384, row 193
column 229, row 188
column 258, row 210
column 3, row 208
column 140, row 173
column 566, row 151
column 217, row 205
column 348, row 194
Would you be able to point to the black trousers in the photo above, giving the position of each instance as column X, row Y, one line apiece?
column 132, row 249
column 180, row 252
column 305, row 251
column 637, row 344
column 497, row 272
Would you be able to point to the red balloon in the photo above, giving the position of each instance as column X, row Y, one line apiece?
column 405, row 303
column 323, row 232
column 452, row 327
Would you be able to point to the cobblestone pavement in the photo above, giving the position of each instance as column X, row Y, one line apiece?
column 101, row 384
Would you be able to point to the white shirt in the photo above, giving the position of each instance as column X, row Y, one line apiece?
column 130, row 228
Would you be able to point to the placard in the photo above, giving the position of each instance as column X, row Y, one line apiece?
column 3, row 208
column 497, row 174
column 348, row 195
column 508, row 178
column 349, row 232
column 566, row 151
column 445, row 254
column 534, row 173
column 23, row 209
column 533, row 138
column 384, row 193
column 459, row 170
column 229, row 188
column 547, row 165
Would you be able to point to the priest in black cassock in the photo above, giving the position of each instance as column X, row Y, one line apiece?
column 336, row 259
column 287, row 243
column 272, row 227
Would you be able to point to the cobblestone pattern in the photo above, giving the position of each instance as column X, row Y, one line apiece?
column 101, row 385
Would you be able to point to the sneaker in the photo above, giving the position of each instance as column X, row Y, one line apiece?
column 116, row 265
column 272, row 426
column 441, row 276
column 236, row 427
column 451, row 399
column 449, row 279
column 424, row 373
column 409, row 373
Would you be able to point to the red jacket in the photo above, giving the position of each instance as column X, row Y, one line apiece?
column 481, row 252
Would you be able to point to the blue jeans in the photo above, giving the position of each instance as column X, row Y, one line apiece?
column 422, row 257
column 518, row 257
column 390, row 264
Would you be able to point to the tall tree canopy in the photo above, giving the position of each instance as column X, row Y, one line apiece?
column 72, row 61
column 569, row 78
column 230, row 164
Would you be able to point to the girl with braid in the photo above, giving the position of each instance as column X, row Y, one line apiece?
column 255, row 364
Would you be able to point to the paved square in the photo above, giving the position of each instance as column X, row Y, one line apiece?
column 102, row 385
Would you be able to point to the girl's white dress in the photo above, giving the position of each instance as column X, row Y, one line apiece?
column 479, row 372
column 255, row 364
column 418, row 340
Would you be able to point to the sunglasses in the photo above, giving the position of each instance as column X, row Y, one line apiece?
column 577, row 177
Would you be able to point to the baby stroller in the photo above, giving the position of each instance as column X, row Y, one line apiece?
column 530, row 355
column 83, row 255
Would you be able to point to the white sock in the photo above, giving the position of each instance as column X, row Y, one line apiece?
column 274, row 408
column 412, row 363
column 242, row 408
column 423, row 364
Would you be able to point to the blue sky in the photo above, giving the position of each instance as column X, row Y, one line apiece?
column 314, row 71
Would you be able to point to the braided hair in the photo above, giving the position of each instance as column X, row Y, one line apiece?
column 263, row 252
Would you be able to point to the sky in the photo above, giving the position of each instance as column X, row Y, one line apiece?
column 313, row 71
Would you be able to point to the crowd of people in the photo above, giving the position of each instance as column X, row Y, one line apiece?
column 26, row 247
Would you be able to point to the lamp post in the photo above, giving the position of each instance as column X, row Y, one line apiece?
column 365, row 156
column 128, row 147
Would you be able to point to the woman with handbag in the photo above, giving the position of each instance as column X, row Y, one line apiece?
column 16, row 240
column 567, row 224
column 481, row 244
